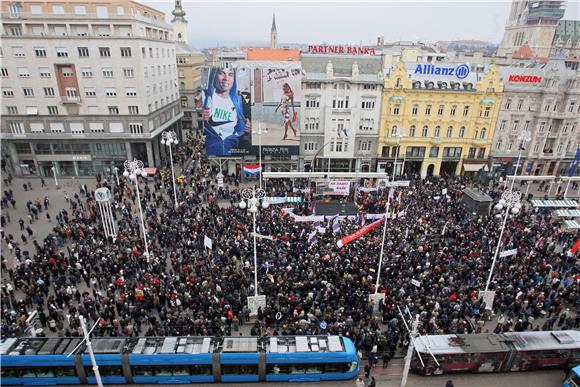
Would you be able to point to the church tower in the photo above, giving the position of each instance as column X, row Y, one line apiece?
column 179, row 23
column 273, row 34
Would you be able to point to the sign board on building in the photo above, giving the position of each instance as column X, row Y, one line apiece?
column 341, row 50
column 461, row 71
column 524, row 78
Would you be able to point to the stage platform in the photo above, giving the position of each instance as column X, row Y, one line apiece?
column 335, row 208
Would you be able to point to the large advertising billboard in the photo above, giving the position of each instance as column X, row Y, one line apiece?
column 252, row 103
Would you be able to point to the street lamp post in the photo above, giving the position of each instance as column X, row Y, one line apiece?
column 251, row 200
column 399, row 136
column 259, row 132
column 133, row 169
column 116, row 174
column 510, row 199
column 170, row 138
column 53, row 169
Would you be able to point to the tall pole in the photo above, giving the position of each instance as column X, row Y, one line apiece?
column 260, row 157
column 251, row 200
column 387, row 207
column 91, row 353
column 133, row 169
column 410, row 351
column 255, row 258
column 170, row 138
column 116, row 174
column 567, row 186
column 511, row 199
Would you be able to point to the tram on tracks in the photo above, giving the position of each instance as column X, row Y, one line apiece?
column 178, row 360
column 490, row 352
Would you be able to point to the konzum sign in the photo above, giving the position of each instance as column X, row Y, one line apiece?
column 525, row 78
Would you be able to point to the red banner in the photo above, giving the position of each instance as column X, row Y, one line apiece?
column 575, row 247
column 358, row 233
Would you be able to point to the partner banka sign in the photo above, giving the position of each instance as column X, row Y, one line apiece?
column 461, row 71
column 341, row 50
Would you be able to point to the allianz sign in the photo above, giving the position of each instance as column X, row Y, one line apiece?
column 461, row 71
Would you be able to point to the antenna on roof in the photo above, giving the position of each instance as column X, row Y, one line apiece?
column 89, row 347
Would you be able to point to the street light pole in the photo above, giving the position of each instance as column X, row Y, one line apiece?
column 170, row 138
column 133, row 169
column 259, row 132
column 54, row 174
column 511, row 201
column 387, row 207
column 116, row 174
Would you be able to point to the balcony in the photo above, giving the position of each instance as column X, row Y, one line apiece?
column 70, row 99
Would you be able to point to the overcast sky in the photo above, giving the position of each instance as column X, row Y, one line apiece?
column 344, row 22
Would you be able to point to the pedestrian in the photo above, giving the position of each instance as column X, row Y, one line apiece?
column 25, row 187
column 373, row 382
column 42, row 182
column 21, row 223
column 48, row 217
column 367, row 370
column 29, row 186
column 449, row 383
column 360, row 382
column 386, row 359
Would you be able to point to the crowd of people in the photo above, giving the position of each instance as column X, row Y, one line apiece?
column 185, row 288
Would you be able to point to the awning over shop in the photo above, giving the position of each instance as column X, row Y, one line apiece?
column 472, row 167
column 554, row 203
column 571, row 224
column 567, row 213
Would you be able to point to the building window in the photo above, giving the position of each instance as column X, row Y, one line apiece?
column 110, row 92
column 450, row 131
column 128, row 72
column 509, row 147
column 520, row 104
column 83, row 51
column 515, row 125
column 507, row 105
column 108, row 72
column 498, row 145
column 4, row 72
column 453, row 110
column 136, row 128
column 437, row 131
column 428, row 110
column 96, row 127
column 571, row 107
column 425, row 132
column 368, row 103
column 61, row 52
column 40, row 52
column 340, row 100
column 16, row 127
column 415, row 110
column 310, row 146
column 394, row 131
column 434, row 152
column 487, row 111
column 125, row 52
column 28, row 91
column 502, row 125
column 130, row 92
column 396, row 109
column 415, row 151
column 364, row 146
column 465, row 111
column 67, row 72
column 452, row 153
column 440, row 110
column 542, row 128
column 547, row 107
column 53, row 110
column 44, row 72
column 23, row 72
column 481, row 153
column 412, row 131
column 7, row 92
column 12, row 109
column 80, row 10
column 87, row 72
column 312, row 102
column 482, row 134
column 90, row 92
column 527, row 126
column 104, row 51
column 114, row 110
column 471, row 154
column 58, row 9
column 462, row 132
column 133, row 109
column 77, row 128
column 18, row 52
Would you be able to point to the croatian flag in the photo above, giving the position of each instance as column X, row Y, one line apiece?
column 574, row 164
column 252, row 169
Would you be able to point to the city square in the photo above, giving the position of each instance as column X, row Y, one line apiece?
column 376, row 215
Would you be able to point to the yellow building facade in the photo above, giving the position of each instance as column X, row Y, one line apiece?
column 189, row 64
column 437, row 119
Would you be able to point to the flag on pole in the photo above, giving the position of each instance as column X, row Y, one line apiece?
column 574, row 164
column 312, row 237
column 576, row 247
column 207, row 242
column 250, row 169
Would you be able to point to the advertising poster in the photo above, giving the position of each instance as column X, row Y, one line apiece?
column 276, row 97
column 339, row 187
column 227, row 117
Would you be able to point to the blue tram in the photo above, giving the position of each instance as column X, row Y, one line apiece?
column 178, row 360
